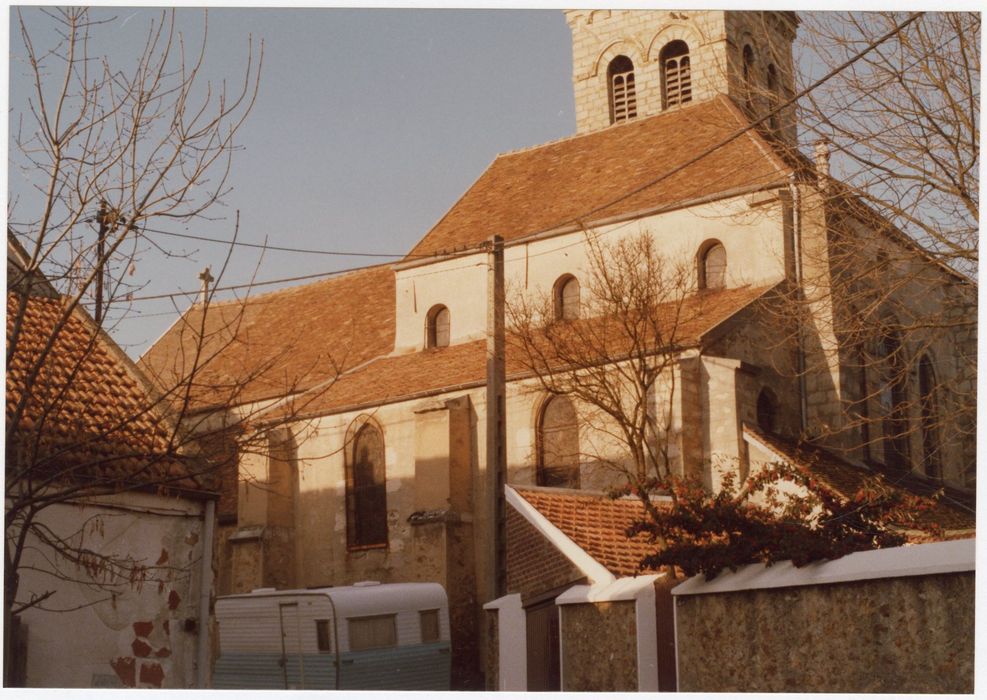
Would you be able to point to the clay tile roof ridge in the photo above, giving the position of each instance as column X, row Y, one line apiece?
column 330, row 277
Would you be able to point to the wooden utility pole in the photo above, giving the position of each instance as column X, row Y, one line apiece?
column 496, row 416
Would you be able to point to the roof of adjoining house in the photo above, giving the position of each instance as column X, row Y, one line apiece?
column 597, row 524
column 400, row 377
column 608, row 174
column 955, row 510
column 88, row 413
column 274, row 344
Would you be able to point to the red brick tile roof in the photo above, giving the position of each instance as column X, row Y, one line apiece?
column 956, row 510
column 544, row 188
column 400, row 377
column 597, row 524
column 274, row 344
column 88, row 413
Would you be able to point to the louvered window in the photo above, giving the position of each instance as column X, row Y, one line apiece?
column 712, row 266
column 623, row 94
column 438, row 324
column 676, row 74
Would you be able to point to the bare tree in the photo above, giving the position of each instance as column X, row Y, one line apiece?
column 904, row 122
column 884, row 307
column 107, row 150
column 615, row 358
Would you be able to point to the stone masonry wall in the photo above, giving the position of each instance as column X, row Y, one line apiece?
column 589, row 629
column 898, row 635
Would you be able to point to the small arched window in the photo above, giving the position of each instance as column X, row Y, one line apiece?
column 712, row 266
column 676, row 74
column 366, row 493
column 930, row 417
column 566, row 298
column 437, row 331
column 558, row 444
column 623, row 93
column 748, row 71
column 767, row 411
column 773, row 96
column 894, row 401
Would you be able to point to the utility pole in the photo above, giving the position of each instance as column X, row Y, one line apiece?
column 496, row 416
column 101, row 218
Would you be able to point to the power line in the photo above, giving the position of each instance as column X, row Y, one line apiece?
column 467, row 250
column 283, row 249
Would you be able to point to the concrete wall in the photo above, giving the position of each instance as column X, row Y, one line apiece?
column 889, row 621
column 115, row 633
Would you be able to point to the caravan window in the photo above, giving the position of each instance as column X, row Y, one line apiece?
column 430, row 625
column 322, row 636
column 373, row 632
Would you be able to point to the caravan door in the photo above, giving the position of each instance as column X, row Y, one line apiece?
column 292, row 662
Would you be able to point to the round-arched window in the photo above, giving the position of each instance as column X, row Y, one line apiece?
column 767, row 411
column 566, row 298
column 623, row 92
column 712, row 266
column 437, row 334
column 558, row 444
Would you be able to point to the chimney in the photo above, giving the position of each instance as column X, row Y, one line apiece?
column 821, row 149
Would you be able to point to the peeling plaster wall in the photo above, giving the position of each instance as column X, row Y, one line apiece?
column 899, row 635
column 137, row 637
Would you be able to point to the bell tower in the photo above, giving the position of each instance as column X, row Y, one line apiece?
column 628, row 64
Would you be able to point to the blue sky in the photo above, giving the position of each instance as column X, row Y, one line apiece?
column 368, row 126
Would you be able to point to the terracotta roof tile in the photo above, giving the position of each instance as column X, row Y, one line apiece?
column 87, row 413
column 272, row 344
column 956, row 510
column 400, row 377
column 543, row 188
column 597, row 524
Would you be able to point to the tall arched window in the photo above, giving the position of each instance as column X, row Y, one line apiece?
column 748, row 72
column 558, row 444
column 566, row 298
column 930, row 417
column 859, row 393
column 437, row 330
column 773, row 96
column 623, row 94
column 767, row 411
column 676, row 74
column 712, row 265
column 366, row 494
column 894, row 400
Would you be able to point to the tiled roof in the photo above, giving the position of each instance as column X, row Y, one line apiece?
column 551, row 186
column 276, row 343
column 954, row 511
column 88, row 413
column 597, row 524
column 399, row 377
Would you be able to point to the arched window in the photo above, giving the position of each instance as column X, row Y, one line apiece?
column 767, row 411
column 930, row 416
column 893, row 398
column 623, row 95
column 748, row 70
column 558, row 444
column 437, row 332
column 676, row 76
column 859, row 395
column 773, row 96
column 712, row 265
column 566, row 298
column 366, row 494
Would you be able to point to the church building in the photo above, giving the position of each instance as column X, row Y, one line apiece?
column 353, row 411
